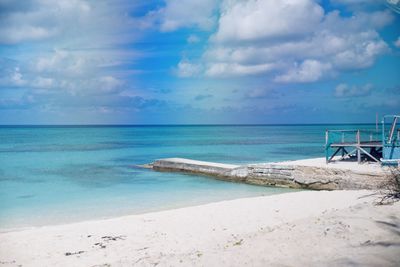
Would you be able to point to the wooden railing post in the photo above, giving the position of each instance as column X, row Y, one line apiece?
column 326, row 145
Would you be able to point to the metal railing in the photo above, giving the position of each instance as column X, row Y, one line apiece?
column 351, row 136
column 391, row 139
column 391, row 136
column 338, row 140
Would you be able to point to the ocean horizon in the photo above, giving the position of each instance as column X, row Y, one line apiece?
column 174, row 125
column 62, row 174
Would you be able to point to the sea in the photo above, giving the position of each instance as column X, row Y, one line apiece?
column 65, row 174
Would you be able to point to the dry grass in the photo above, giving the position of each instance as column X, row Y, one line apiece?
column 391, row 188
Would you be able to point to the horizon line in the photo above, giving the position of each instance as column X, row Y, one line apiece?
column 199, row 124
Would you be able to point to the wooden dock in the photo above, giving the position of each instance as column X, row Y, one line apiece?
column 358, row 144
column 357, row 147
column 377, row 145
column 368, row 144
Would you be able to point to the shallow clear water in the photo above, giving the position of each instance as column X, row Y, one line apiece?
column 64, row 174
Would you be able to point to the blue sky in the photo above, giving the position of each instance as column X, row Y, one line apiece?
column 198, row 61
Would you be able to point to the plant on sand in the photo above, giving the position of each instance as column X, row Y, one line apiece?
column 391, row 187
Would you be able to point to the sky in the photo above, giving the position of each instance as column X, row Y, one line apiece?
column 198, row 61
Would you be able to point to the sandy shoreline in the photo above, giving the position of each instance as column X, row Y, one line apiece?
column 310, row 228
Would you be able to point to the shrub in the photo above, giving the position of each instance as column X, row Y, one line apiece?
column 391, row 188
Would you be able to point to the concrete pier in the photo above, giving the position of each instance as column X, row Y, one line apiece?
column 307, row 174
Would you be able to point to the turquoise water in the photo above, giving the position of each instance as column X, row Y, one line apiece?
column 64, row 174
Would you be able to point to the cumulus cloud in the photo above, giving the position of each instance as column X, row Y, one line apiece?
column 308, row 71
column 72, row 46
column 345, row 90
column 255, row 20
column 292, row 41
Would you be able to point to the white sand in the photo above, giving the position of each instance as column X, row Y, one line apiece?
column 313, row 228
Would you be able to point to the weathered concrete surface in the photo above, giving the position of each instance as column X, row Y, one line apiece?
column 194, row 166
column 295, row 174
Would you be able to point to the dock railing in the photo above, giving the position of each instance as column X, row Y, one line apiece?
column 391, row 135
column 391, row 139
column 350, row 142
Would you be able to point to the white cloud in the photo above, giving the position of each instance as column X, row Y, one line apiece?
column 308, row 71
column 64, row 21
column 187, row 69
column 67, row 63
column 110, row 84
column 43, row 82
column 74, row 45
column 344, row 90
column 295, row 41
column 52, row 63
column 254, row 20
column 362, row 55
column 16, row 78
column 235, row 69
column 397, row 42
column 11, row 75
column 377, row 19
column 41, row 19
column 187, row 13
column 21, row 33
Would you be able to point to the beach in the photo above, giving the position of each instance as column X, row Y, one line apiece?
column 199, row 133
column 70, row 200
column 53, row 175
column 308, row 228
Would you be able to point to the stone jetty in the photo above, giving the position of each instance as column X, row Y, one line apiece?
column 307, row 174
